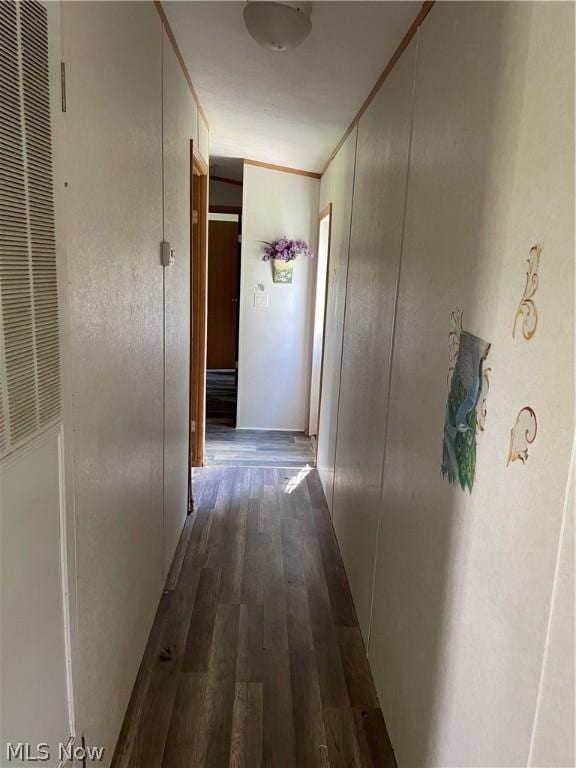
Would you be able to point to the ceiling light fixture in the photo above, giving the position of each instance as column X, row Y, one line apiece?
column 277, row 26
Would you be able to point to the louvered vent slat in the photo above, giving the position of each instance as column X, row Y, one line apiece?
column 30, row 396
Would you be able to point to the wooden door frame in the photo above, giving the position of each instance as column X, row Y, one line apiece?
column 198, row 301
column 326, row 211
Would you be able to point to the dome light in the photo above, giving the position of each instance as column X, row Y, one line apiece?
column 276, row 26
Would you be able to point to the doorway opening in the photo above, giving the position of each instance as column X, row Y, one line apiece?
column 223, row 311
column 321, row 294
column 224, row 232
column 232, row 437
column 198, row 278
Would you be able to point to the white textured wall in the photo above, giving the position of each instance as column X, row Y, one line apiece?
column 33, row 678
column 375, row 244
column 553, row 735
column 336, row 187
column 469, row 624
column 114, row 223
column 461, row 621
column 127, row 319
column 37, row 534
column 275, row 342
column 179, row 128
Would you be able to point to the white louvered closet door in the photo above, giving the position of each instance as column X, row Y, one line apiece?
column 35, row 659
column 29, row 326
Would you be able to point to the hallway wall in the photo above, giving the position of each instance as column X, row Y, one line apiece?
column 336, row 188
column 453, row 589
column 553, row 734
column 375, row 245
column 180, row 124
column 129, row 109
column 275, row 341
column 35, row 524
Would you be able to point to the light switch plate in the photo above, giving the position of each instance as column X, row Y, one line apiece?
column 261, row 300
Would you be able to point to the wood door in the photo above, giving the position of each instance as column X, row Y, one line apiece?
column 223, row 292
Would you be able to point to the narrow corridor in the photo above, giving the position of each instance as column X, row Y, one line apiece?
column 255, row 657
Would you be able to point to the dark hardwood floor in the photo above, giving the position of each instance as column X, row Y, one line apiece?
column 255, row 658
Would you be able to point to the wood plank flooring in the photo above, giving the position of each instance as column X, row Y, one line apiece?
column 228, row 447
column 221, row 396
column 255, row 658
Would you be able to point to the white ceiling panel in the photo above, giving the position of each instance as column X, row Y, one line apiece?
column 287, row 108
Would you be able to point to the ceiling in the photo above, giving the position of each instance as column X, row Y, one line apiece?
column 287, row 108
column 226, row 167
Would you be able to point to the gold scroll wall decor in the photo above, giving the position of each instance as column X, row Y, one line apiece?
column 527, row 312
column 522, row 434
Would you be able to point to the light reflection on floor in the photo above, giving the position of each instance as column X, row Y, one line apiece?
column 297, row 479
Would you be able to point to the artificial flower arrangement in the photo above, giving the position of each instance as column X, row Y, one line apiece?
column 285, row 249
column 282, row 253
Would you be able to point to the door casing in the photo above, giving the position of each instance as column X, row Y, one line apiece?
column 198, row 303
column 324, row 213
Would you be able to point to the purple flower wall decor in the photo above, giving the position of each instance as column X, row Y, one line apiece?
column 285, row 249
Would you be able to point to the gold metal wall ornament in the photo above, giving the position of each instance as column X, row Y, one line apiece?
column 527, row 310
column 522, row 434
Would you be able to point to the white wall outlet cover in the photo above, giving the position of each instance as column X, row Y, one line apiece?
column 261, row 300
